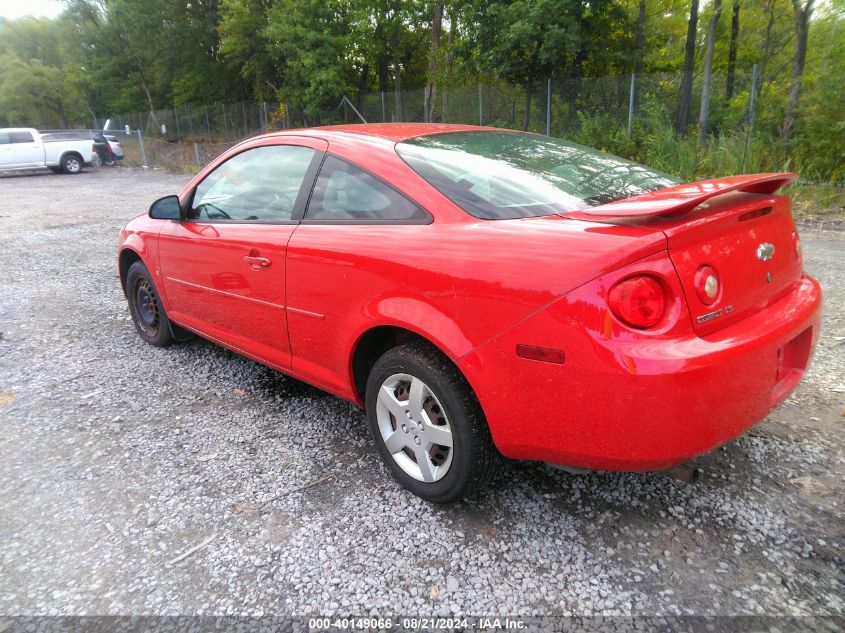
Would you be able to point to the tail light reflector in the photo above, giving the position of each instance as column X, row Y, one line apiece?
column 638, row 301
column 543, row 354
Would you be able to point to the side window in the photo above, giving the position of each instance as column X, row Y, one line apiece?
column 20, row 137
column 4, row 138
column 344, row 192
column 260, row 184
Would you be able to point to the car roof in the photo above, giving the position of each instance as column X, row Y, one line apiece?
column 395, row 132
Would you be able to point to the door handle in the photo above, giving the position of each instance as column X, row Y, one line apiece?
column 257, row 262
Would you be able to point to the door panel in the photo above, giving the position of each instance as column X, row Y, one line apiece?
column 7, row 151
column 211, row 286
column 28, row 152
column 223, row 267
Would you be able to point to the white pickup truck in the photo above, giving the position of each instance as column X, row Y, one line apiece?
column 25, row 148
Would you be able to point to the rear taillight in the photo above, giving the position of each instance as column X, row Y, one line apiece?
column 638, row 301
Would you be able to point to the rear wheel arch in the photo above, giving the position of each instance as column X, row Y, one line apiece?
column 373, row 343
column 370, row 346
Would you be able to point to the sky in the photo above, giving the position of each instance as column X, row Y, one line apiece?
column 18, row 8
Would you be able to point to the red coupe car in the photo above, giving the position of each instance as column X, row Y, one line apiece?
column 484, row 291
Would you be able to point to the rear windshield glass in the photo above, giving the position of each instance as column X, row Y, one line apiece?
column 506, row 175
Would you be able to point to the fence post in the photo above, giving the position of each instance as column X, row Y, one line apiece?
column 425, row 105
column 225, row 125
column 190, row 123
column 752, row 106
column 243, row 111
column 178, row 130
column 480, row 107
column 383, row 109
column 207, row 124
column 141, row 143
column 266, row 120
column 631, row 103
column 197, row 153
column 549, row 107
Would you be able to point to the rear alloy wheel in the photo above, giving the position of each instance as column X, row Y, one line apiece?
column 71, row 164
column 414, row 427
column 428, row 425
column 145, row 307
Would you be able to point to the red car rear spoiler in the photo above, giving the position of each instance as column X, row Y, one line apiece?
column 684, row 198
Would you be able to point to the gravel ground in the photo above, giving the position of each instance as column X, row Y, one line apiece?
column 117, row 458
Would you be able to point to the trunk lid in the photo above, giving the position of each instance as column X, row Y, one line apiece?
column 736, row 226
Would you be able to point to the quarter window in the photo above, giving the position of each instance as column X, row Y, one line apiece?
column 260, row 184
column 346, row 193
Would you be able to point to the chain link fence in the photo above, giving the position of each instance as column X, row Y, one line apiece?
column 606, row 112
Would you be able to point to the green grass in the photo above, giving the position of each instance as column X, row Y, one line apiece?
column 817, row 201
column 819, row 195
column 813, row 199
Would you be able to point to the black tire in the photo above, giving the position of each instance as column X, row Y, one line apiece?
column 148, row 314
column 71, row 163
column 473, row 454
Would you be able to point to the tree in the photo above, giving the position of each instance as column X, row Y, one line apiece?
column 312, row 37
column 394, row 38
column 685, row 95
column 707, row 82
column 40, row 85
column 730, row 79
column 436, row 26
column 29, row 94
column 802, row 26
column 244, row 46
column 524, row 42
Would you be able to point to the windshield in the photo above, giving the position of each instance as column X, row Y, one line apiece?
column 507, row 175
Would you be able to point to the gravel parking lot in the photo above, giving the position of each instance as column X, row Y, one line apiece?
column 117, row 459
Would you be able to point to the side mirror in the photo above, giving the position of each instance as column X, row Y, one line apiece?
column 166, row 208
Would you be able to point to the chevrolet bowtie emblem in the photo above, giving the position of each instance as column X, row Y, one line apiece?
column 765, row 251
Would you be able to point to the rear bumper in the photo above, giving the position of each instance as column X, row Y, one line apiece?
column 635, row 402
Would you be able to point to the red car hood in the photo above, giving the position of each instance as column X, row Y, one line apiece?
column 683, row 198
